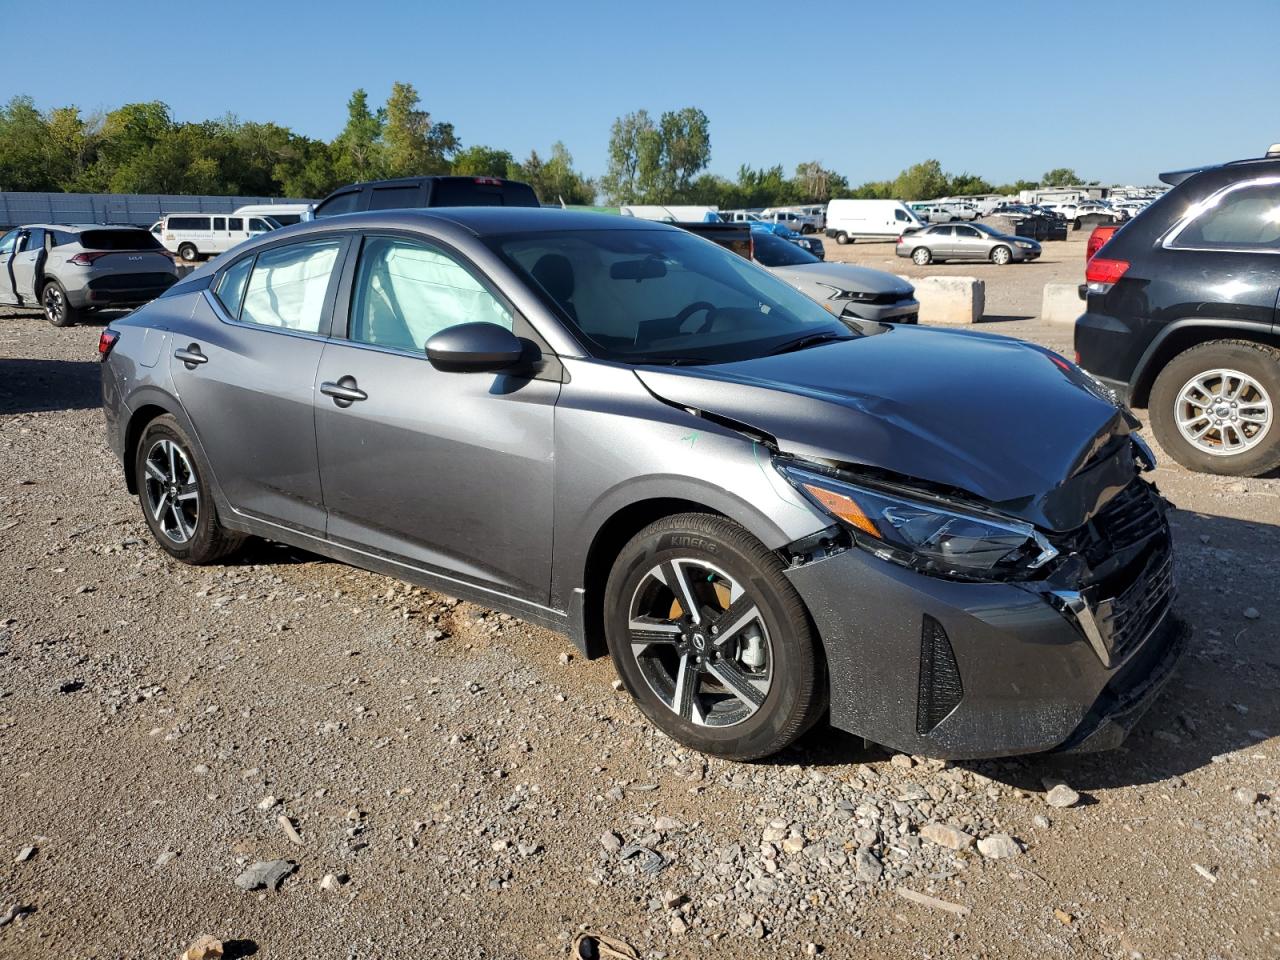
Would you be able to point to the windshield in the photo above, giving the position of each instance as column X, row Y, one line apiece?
column 663, row 296
column 773, row 251
column 127, row 239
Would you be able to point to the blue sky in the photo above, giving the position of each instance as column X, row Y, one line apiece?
column 1118, row 91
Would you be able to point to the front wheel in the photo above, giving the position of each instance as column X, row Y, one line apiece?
column 1213, row 408
column 189, row 252
column 175, row 496
column 921, row 256
column 1001, row 255
column 57, row 307
column 712, row 640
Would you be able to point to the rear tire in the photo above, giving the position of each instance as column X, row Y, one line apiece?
column 922, row 256
column 57, row 308
column 188, row 251
column 742, row 681
column 1173, row 397
column 1001, row 256
column 175, row 496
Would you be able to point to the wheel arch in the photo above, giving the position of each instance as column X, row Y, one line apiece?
column 1182, row 335
column 138, row 421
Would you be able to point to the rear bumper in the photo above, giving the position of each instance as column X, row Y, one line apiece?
column 1020, row 679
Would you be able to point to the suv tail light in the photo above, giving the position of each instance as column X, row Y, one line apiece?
column 1102, row 273
column 85, row 259
column 1099, row 237
column 106, row 340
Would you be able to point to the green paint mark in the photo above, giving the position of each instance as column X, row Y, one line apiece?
column 692, row 438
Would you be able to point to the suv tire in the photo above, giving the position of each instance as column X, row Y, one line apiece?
column 1260, row 364
column 752, row 634
column 167, row 468
column 57, row 308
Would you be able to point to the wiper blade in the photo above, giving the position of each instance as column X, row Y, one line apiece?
column 809, row 340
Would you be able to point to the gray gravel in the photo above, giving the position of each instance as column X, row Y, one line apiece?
column 459, row 787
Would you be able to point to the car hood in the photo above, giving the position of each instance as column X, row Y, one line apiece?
column 845, row 276
column 999, row 420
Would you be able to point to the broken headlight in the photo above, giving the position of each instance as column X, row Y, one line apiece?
column 926, row 535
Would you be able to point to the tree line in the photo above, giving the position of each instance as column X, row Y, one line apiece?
column 141, row 148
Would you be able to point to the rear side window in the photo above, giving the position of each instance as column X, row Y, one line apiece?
column 392, row 198
column 188, row 223
column 464, row 192
column 219, row 223
column 119, row 240
column 342, row 203
column 235, row 223
column 287, row 287
column 407, row 291
column 1248, row 217
column 230, row 291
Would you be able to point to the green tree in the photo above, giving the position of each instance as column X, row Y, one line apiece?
column 635, row 158
column 814, row 183
column 685, row 150
column 24, row 147
column 554, row 179
column 480, row 161
column 357, row 151
column 963, row 184
column 414, row 144
column 921, row 181
column 1060, row 177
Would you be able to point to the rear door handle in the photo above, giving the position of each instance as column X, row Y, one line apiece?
column 344, row 392
column 191, row 356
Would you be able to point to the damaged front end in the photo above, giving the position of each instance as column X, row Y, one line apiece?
column 1004, row 636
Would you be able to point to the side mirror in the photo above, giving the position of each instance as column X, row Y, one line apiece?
column 474, row 348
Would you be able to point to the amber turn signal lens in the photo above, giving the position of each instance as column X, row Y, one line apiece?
column 845, row 508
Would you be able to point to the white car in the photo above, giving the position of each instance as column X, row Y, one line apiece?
column 797, row 218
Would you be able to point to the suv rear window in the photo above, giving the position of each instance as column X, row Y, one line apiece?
column 338, row 203
column 466, row 192
column 119, row 240
column 1246, row 217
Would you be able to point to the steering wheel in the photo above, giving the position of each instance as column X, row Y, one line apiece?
column 693, row 308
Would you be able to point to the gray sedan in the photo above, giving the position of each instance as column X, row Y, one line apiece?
column 965, row 241
column 615, row 429
column 843, row 289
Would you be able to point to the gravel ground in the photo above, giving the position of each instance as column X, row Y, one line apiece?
column 444, row 781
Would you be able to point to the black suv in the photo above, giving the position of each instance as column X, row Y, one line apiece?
column 1181, row 316
column 416, row 192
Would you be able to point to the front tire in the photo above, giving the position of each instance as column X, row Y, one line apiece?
column 842, row 238
column 921, row 256
column 1213, row 408
column 1001, row 256
column 175, row 496
column 57, row 307
column 188, row 251
column 712, row 640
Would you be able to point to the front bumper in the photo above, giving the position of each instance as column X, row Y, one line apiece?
column 1021, row 677
column 1025, row 255
column 906, row 310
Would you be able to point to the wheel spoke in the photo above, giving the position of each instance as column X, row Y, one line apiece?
column 647, row 632
column 737, row 682
column 741, row 613
column 180, row 520
column 161, row 505
column 684, row 700
column 155, row 473
column 673, row 576
column 173, row 465
column 189, row 492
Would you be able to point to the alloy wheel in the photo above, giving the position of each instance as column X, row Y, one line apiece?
column 700, row 642
column 921, row 256
column 1223, row 412
column 172, row 493
column 1000, row 256
column 55, row 305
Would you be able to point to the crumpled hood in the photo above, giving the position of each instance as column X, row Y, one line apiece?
column 988, row 415
column 846, row 276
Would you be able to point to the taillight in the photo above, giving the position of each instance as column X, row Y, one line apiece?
column 1097, row 240
column 1101, row 273
column 900, row 236
column 106, row 340
column 85, row 259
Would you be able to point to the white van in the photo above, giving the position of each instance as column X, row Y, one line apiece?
column 285, row 214
column 671, row 213
column 849, row 220
column 193, row 236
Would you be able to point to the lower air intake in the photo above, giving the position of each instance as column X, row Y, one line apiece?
column 940, row 687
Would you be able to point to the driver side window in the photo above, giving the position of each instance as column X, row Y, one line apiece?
column 8, row 242
column 406, row 291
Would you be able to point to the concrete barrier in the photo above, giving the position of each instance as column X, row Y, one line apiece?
column 950, row 300
column 1061, row 303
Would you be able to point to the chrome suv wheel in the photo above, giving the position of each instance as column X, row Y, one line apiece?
column 711, row 639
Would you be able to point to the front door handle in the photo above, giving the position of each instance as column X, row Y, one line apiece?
column 344, row 392
column 191, row 356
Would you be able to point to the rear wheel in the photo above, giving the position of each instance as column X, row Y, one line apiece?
column 1001, row 255
column 712, row 640
column 188, row 251
column 57, row 308
column 922, row 256
column 1213, row 408
column 175, row 496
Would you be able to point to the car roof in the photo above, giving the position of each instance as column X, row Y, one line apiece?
column 484, row 221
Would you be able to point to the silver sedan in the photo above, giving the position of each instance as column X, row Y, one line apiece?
column 965, row 241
